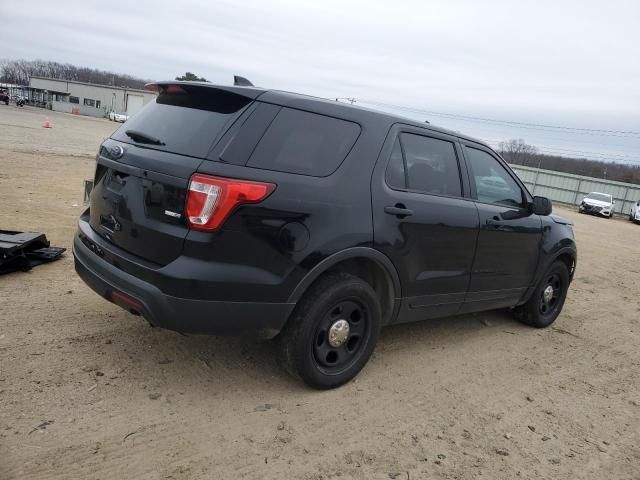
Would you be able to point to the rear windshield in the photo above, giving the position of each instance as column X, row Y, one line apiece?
column 304, row 143
column 602, row 197
column 184, row 119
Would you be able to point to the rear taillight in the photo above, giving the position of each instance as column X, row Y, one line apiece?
column 210, row 200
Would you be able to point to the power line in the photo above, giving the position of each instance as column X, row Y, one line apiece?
column 578, row 154
column 617, row 161
column 524, row 125
column 608, row 155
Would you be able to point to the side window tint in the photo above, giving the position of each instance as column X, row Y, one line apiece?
column 240, row 147
column 395, row 170
column 304, row 143
column 432, row 165
column 493, row 183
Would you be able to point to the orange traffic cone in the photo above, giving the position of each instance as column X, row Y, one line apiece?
column 47, row 123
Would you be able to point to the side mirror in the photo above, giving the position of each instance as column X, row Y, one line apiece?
column 541, row 206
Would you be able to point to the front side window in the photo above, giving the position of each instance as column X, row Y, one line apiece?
column 89, row 102
column 431, row 165
column 492, row 181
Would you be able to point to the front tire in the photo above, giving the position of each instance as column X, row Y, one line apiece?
column 547, row 300
column 332, row 332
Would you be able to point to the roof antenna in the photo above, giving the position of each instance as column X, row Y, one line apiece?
column 239, row 81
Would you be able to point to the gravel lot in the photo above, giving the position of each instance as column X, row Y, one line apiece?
column 89, row 391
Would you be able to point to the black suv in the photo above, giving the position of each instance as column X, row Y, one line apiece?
column 221, row 210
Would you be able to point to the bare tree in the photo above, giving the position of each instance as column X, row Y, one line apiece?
column 520, row 153
column 20, row 71
column 517, row 151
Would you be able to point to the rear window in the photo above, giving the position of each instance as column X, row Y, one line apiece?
column 187, row 119
column 304, row 143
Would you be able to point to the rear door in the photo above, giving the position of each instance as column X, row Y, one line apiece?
column 510, row 235
column 424, row 221
column 143, row 171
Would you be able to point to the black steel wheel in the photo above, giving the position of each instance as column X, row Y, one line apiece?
column 341, row 335
column 332, row 332
column 550, row 295
column 546, row 302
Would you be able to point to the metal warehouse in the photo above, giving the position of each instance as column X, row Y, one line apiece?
column 90, row 99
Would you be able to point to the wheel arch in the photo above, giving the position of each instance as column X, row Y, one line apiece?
column 566, row 254
column 367, row 263
column 568, row 257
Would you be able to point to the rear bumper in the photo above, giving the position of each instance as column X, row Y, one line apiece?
column 183, row 315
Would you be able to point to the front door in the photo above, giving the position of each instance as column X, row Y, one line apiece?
column 424, row 220
column 510, row 235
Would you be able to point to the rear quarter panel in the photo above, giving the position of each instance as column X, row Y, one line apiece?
column 265, row 250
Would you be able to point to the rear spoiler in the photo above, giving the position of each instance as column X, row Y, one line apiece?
column 248, row 92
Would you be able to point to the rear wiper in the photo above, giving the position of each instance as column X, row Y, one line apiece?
column 140, row 137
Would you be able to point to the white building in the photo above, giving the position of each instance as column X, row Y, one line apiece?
column 88, row 98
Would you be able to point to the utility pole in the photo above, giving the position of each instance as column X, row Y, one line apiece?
column 535, row 181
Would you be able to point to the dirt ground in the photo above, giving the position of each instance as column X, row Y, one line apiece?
column 88, row 391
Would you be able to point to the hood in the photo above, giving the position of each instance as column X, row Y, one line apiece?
column 560, row 220
column 597, row 203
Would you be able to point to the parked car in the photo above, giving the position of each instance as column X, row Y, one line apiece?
column 4, row 97
column 226, row 210
column 634, row 214
column 118, row 117
column 598, row 204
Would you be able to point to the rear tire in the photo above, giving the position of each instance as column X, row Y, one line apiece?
column 332, row 332
column 547, row 300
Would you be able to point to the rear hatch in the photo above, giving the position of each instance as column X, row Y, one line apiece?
column 143, row 170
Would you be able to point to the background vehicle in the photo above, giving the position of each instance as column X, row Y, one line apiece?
column 236, row 209
column 598, row 204
column 118, row 117
column 634, row 214
column 4, row 97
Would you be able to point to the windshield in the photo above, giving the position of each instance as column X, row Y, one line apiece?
column 601, row 197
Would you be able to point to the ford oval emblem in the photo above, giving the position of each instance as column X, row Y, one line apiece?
column 116, row 151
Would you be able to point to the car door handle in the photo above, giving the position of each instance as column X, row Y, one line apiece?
column 499, row 225
column 399, row 210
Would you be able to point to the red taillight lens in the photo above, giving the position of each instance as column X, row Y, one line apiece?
column 210, row 200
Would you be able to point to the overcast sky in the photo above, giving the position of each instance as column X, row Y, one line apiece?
column 567, row 63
